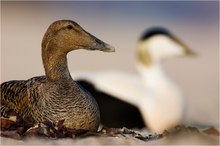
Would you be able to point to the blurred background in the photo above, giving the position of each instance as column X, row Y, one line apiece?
column 120, row 24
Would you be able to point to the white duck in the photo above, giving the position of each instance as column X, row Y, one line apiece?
column 158, row 99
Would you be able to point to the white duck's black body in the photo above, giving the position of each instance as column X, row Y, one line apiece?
column 114, row 112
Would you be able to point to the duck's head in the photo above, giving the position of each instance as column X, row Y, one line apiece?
column 157, row 44
column 64, row 36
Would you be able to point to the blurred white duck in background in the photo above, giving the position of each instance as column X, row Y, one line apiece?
column 149, row 99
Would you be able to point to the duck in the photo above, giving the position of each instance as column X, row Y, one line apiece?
column 146, row 99
column 55, row 96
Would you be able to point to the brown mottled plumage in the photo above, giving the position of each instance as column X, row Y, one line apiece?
column 56, row 96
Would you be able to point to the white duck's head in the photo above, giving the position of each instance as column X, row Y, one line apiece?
column 157, row 44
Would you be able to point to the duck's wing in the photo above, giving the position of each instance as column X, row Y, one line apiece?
column 125, row 86
column 15, row 96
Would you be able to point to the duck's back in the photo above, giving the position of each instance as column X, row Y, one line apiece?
column 15, row 95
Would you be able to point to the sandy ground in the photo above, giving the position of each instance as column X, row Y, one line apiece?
column 177, row 136
column 119, row 140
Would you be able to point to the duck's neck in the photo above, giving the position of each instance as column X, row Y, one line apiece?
column 55, row 65
column 163, row 97
column 153, row 75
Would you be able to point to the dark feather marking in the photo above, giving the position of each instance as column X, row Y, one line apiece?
column 113, row 111
column 155, row 31
column 12, row 93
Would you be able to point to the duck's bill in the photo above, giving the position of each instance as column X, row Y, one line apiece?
column 102, row 46
column 189, row 52
column 98, row 44
column 107, row 48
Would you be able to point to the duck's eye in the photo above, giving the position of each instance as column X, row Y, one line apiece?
column 69, row 27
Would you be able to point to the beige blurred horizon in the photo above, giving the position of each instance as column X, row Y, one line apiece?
column 23, row 25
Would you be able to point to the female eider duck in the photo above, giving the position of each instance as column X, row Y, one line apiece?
column 150, row 99
column 56, row 96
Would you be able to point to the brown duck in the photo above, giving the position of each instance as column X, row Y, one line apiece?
column 56, row 96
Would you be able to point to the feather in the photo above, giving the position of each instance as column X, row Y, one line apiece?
column 13, row 96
